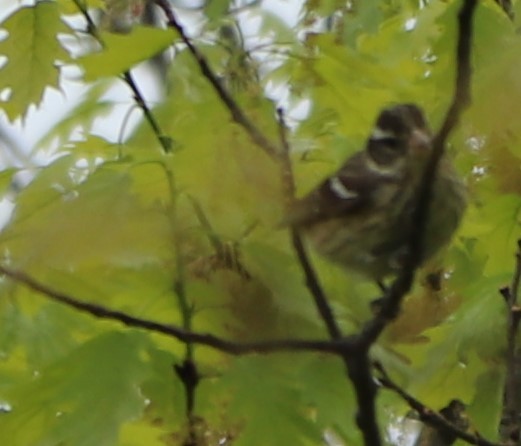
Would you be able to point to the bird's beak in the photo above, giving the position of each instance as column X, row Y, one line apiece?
column 420, row 142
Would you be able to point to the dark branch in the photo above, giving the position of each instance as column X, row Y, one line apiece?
column 511, row 427
column 236, row 112
column 461, row 99
column 360, row 372
column 288, row 181
column 164, row 141
column 514, row 287
column 427, row 415
column 314, row 287
column 233, row 348
column 188, row 374
column 312, row 281
column 357, row 362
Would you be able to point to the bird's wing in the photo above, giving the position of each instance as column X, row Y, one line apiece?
column 349, row 190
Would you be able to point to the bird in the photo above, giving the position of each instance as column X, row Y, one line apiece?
column 361, row 217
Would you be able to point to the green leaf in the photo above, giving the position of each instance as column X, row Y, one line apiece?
column 10, row 322
column 32, row 50
column 486, row 408
column 496, row 227
column 365, row 20
column 216, row 9
column 464, row 347
column 96, row 221
column 287, row 421
column 70, row 7
column 94, row 149
column 284, row 279
column 122, row 51
column 44, row 190
column 141, row 433
column 165, row 390
column 43, row 334
column 329, row 395
column 53, row 409
column 79, row 118
column 273, row 25
column 6, row 180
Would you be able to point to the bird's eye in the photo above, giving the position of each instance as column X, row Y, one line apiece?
column 391, row 143
column 385, row 150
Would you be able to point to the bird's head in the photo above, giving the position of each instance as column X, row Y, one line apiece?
column 400, row 136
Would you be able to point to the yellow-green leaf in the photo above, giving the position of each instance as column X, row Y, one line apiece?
column 123, row 51
column 32, row 50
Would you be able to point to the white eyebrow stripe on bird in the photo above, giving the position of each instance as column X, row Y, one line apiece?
column 379, row 134
column 341, row 190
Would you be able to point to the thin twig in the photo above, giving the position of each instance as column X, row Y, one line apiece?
column 312, row 281
column 315, row 288
column 514, row 287
column 236, row 112
column 288, row 181
column 226, row 254
column 510, row 429
column 233, row 348
column 164, row 141
column 187, row 370
column 91, row 26
column 427, row 415
column 210, row 233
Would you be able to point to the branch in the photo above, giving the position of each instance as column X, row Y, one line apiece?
column 313, row 284
column 461, row 99
column 164, row 141
column 357, row 361
column 234, row 348
column 462, row 96
column 358, row 364
column 511, row 426
column 312, row 281
column 427, row 415
column 288, row 180
column 187, row 371
column 359, row 371
column 215, row 241
column 236, row 112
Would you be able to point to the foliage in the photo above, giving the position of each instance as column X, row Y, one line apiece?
column 116, row 225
